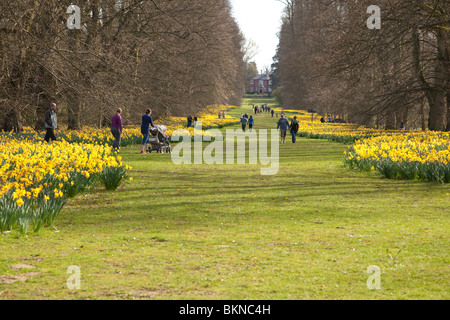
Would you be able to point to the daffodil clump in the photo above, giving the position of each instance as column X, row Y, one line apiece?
column 311, row 127
column 209, row 118
column 131, row 135
column 302, row 115
column 418, row 155
column 37, row 178
column 343, row 133
column 208, row 122
column 395, row 154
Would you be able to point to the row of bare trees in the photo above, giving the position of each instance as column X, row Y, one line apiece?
column 330, row 60
column 174, row 56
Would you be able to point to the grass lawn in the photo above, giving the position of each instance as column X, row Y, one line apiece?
column 227, row 232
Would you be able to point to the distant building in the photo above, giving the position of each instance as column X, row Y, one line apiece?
column 262, row 84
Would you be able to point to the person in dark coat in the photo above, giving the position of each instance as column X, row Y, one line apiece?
column 51, row 123
column 244, row 122
column 295, row 126
column 147, row 121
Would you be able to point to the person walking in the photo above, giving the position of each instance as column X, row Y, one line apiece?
column 116, row 129
column 51, row 123
column 147, row 121
column 402, row 125
column 250, row 123
column 283, row 126
column 294, row 129
column 272, row 113
column 244, row 123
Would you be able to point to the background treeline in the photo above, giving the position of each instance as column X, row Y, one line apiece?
column 330, row 61
column 174, row 56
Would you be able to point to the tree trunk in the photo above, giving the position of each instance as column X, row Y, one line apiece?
column 448, row 110
column 74, row 111
column 390, row 121
column 17, row 121
column 405, row 116
column 439, row 107
column 73, row 99
column 437, row 111
column 436, row 95
column 423, row 122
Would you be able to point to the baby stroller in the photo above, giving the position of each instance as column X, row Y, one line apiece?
column 159, row 141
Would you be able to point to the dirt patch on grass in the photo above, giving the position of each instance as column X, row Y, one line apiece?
column 18, row 278
column 22, row 266
column 145, row 294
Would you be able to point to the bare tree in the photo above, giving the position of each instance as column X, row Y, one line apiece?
column 329, row 59
column 173, row 56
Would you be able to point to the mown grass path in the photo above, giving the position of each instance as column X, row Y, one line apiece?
column 227, row 232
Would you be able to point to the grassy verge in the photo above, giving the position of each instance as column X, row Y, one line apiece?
column 226, row 232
